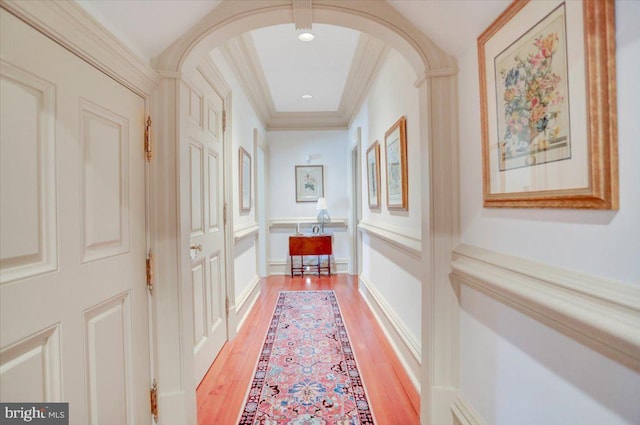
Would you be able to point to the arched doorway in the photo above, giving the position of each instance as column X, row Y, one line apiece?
column 435, row 74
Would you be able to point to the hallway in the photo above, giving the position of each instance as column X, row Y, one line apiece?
column 394, row 400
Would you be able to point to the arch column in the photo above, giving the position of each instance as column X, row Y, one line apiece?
column 440, row 234
column 440, row 222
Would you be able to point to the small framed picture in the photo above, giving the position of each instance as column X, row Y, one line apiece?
column 373, row 175
column 309, row 183
column 245, row 180
column 395, row 140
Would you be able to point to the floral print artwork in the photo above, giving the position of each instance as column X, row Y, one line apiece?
column 533, row 112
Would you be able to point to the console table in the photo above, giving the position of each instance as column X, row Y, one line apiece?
column 317, row 245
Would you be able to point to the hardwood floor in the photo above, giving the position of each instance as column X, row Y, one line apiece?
column 223, row 390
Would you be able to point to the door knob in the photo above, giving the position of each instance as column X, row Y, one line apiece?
column 198, row 247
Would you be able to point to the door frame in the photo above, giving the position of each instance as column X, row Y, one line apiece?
column 67, row 24
column 355, row 165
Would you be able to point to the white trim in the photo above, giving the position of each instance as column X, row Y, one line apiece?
column 278, row 267
column 405, row 347
column 246, row 300
column 600, row 313
column 394, row 236
column 244, row 230
column 292, row 222
column 464, row 414
column 70, row 25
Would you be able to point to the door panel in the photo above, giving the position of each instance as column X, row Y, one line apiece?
column 73, row 302
column 202, row 144
column 28, row 220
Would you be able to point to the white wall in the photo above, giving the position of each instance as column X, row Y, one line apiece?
column 243, row 120
column 288, row 149
column 513, row 369
column 389, row 272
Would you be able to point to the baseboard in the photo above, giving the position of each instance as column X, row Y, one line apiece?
column 464, row 414
column 246, row 300
column 597, row 312
column 281, row 267
column 405, row 348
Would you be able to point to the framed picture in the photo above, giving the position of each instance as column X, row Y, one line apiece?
column 309, row 183
column 548, row 106
column 245, row 180
column 373, row 175
column 395, row 141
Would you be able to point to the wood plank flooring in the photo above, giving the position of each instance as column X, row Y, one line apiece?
column 393, row 399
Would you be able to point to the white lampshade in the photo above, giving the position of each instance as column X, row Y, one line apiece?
column 322, row 204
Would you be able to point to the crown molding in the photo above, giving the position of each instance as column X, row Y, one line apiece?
column 368, row 58
column 241, row 55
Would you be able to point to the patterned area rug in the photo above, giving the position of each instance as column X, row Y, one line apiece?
column 307, row 374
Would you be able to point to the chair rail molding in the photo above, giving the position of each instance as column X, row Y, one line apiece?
column 244, row 230
column 600, row 313
column 292, row 222
column 395, row 236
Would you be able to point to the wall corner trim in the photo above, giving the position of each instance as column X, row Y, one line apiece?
column 464, row 414
column 600, row 313
column 409, row 244
column 244, row 230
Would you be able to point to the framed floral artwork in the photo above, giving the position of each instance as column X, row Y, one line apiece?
column 309, row 183
column 395, row 141
column 245, row 180
column 373, row 175
column 548, row 106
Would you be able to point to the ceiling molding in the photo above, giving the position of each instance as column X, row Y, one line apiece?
column 302, row 14
column 240, row 53
column 369, row 56
column 242, row 57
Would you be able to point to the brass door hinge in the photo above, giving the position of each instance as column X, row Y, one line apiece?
column 150, row 272
column 226, row 306
column 153, row 397
column 147, row 140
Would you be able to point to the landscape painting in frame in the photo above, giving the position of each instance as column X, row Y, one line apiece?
column 245, row 180
column 395, row 141
column 532, row 101
column 373, row 175
column 309, row 183
column 548, row 106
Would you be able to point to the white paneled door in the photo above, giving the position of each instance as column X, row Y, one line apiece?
column 73, row 299
column 202, row 152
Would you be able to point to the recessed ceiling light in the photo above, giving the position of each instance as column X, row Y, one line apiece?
column 305, row 36
column 307, row 96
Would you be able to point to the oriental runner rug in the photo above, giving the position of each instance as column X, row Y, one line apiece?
column 307, row 373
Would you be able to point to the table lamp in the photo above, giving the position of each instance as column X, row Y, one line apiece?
column 323, row 214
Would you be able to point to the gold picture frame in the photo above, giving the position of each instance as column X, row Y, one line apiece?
column 395, row 141
column 244, row 172
column 373, row 175
column 548, row 106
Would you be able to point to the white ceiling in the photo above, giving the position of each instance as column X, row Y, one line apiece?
column 291, row 67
